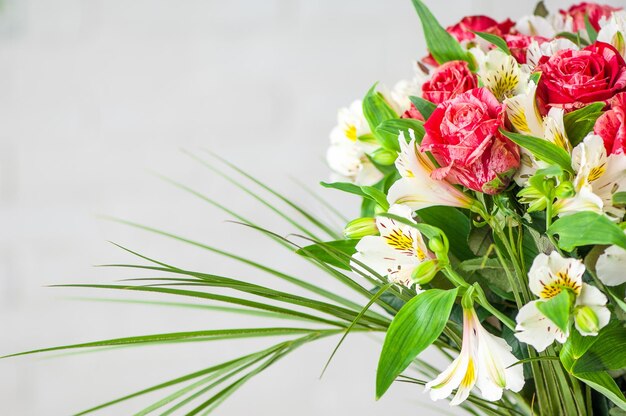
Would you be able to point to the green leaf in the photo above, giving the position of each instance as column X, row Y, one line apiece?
column 454, row 224
column 368, row 192
column 542, row 149
column 591, row 31
column 490, row 269
column 606, row 353
column 573, row 37
column 416, row 326
column 619, row 199
column 442, row 45
column 376, row 109
column 424, row 106
column 592, row 353
column 321, row 252
column 558, row 309
column 496, row 40
column 376, row 195
column 586, row 228
column 580, row 122
column 389, row 131
column 541, row 9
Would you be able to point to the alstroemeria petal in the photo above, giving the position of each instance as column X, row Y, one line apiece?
column 535, row 329
column 611, row 266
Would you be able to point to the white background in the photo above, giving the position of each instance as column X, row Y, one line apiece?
column 95, row 97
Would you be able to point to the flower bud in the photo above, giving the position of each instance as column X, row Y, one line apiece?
column 436, row 245
column 360, row 228
column 384, row 157
column 586, row 320
column 425, row 271
column 565, row 190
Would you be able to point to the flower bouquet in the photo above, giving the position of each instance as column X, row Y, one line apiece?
column 491, row 228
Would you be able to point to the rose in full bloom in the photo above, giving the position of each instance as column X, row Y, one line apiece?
column 611, row 126
column 518, row 45
column 595, row 12
column 448, row 81
column 571, row 79
column 462, row 135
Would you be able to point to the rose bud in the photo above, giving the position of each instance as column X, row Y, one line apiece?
column 594, row 11
column 611, row 126
column 448, row 81
column 572, row 79
column 462, row 135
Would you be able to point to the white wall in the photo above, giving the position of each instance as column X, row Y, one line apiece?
column 94, row 96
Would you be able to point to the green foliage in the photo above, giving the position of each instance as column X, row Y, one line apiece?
column 376, row 109
column 619, row 199
column 424, row 106
column 558, row 309
column 591, row 31
column 586, row 228
column 322, row 252
column 416, row 326
column 440, row 43
column 541, row 9
column 368, row 192
column 579, row 123
column 589, row 358
column 454, row 224
column 495, row 40
column 389, row 131
column 542, row 149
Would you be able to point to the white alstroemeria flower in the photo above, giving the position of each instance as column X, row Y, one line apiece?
column 548, row 276
column 484, row 362
column 535, row 26
column 347, row 155
column 611, row 266
column 536, row 51
column 399, row 95
column 500, row 73
column 613, row 31
column 598, row 177
column 417, row 188
column 398, row 250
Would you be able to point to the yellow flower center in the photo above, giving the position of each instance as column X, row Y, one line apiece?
column 404, row 242
column 562, row 281
column 597, row 172
column 350, row 132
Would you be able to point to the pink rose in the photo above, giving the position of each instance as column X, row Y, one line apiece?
column 518, row 45
column 448, row 81
column 593, row 10
column 462, row 135
column 611, row 126
column 571, row 79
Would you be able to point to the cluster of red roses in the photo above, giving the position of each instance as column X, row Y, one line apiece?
column 463, row 131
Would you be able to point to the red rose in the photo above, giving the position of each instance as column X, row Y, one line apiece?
column 448, row 81
column 462, row 135
column 571, row 79
column 464, row 31
column 611, row 126
column 593, row 10
column 518, row 45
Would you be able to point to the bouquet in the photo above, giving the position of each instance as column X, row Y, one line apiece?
column 492, row 190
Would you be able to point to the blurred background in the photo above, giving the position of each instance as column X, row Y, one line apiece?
column 96, row 97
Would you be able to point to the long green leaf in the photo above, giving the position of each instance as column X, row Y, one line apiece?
column 416, row 326
column 440, row 43
column 542, row 149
